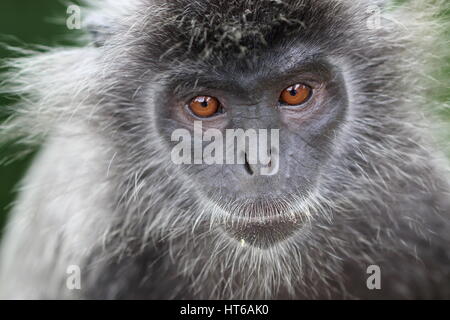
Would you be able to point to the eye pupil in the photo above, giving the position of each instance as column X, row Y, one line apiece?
column 293, row 92
column 204, row 103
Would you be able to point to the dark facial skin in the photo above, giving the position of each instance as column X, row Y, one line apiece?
column 250, row 97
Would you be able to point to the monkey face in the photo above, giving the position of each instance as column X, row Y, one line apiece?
column 229, row 81
column 268, row 74
column 294, row 102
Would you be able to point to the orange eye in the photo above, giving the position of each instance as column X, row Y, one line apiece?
column 204, row 106
column 296, row 95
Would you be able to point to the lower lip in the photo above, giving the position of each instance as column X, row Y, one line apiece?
column 262, row 233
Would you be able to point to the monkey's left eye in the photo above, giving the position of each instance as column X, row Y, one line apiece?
column 296, row 94
column 204, row 106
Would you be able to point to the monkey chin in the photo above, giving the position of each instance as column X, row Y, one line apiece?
column 263, row 232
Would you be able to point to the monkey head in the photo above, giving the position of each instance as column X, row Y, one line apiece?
column 247, row 68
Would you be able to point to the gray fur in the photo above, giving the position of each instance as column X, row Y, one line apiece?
column 104, row 195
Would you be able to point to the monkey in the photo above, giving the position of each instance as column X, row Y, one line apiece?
column 362, row 180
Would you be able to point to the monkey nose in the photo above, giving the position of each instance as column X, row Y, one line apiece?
column 265, row 166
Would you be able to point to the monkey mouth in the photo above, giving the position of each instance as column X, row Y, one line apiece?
column 262, row 228
column 262, row 233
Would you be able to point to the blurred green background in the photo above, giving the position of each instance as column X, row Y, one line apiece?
column 33, row 22
column 28, row 22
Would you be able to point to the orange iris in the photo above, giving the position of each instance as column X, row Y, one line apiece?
column 204, row 106
column 296, row 94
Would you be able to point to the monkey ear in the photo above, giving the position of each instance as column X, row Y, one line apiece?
column 99, row 25
column 380, row 3
column 103, row 17
column 99, row 33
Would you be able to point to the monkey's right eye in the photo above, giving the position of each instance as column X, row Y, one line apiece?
column 204, row 106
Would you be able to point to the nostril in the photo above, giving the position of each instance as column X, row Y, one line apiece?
column 269, row 165
column 248, row 168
